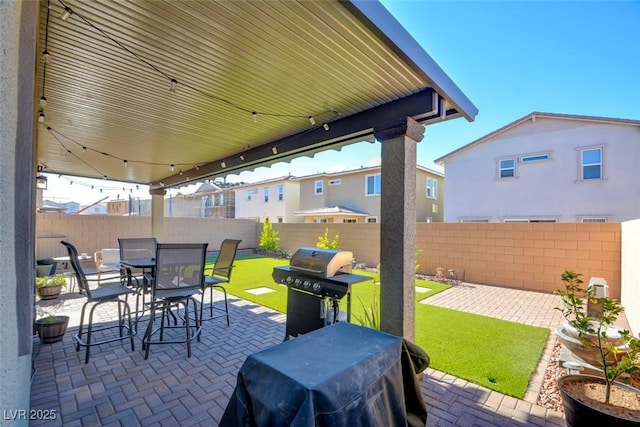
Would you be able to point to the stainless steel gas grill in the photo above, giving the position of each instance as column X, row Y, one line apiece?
column 316, row 278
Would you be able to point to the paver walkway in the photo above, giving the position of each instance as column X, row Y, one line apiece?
column 119, row 388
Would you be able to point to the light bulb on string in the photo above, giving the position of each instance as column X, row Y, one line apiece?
column 180, row 173
column 124, row 163
column 312, row 120
column 41, row 116
column 66, row 13
column 255, row 116
column 223, row 164
column 241, row 157
column 274, row 150
column 46, row 57
column 326, row 126
column 84, row 149
column 171, row 168
column 43, row 101
column 173, row 85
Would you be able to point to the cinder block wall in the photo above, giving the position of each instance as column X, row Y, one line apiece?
column 90, row 233
column 525, row 256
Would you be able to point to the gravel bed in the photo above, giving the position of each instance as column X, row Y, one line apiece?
column 549, row 396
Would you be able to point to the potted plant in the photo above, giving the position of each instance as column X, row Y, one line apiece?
column 50, row 327
column 49, row 287
column 599, row 399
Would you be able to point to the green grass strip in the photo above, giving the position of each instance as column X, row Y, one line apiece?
column 494, row 353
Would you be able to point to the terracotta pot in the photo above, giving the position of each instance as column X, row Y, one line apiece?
column 52, row 328
column 50, row 292
column 579, row 413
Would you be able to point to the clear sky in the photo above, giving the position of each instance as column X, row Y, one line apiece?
column 510, row 58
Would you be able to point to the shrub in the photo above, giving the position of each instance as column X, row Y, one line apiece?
column 325, row 243
column 269, row 240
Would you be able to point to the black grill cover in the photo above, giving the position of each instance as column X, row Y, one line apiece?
column 340, row 375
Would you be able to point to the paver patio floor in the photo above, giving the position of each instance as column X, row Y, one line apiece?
column 119, row 388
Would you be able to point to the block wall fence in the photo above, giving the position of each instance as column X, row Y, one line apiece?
column 524, row 256
column 90, row 233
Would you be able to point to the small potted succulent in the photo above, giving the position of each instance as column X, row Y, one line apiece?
column 50, row 327
column 599, row 399
column 49, row 287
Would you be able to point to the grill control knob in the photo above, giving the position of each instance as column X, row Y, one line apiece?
column 288, row 280
column 307, row 284
column 297, row 282
column 317, row 287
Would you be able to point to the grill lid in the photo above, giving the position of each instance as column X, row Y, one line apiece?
column 321, row 262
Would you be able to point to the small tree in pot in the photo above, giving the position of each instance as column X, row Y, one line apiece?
column 617, row 359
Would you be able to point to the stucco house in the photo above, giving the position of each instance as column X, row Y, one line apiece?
column 338, row 197
column 547, row 167
column 276, row 199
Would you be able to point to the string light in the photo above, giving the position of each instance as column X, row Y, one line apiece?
column 66, row 13
column 223, row 164
column 180, row 173
column 326, row 126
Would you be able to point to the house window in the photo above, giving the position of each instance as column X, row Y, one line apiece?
column 595, row 219
column 429, row 219
column 373, row 185
column 266, row 194
column 349, row 220
column 249, row 194
column 280, row 192
column 528, row 220
column 507, row 168
column 335, row 182
column 432, row 188
column 318, row 187
column 474, row 220
column 321, row 220
column 591, row 160
column 534, row 158
column 221, row 200
column 372, row 219
column 280, row 219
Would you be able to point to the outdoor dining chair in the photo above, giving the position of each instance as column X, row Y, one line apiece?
column 177, row 278
column 137, row 248
column 219, row 275
column 113, row 293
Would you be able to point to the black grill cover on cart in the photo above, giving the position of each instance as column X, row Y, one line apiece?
column 340, row 375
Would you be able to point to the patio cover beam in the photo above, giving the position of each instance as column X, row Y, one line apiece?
column 425, row 107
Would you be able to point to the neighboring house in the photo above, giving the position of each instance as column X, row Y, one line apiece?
column 276, row 199
column 97, row 209
column 209, row 200
column 49, row 206
column 547, row 167
column 134, row 206
column 354, row 196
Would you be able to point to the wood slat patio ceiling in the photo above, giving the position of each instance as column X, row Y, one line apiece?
column 285, row 60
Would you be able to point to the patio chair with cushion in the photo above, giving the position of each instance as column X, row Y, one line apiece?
column 177, row 278
column 97, row 296
column 219, row 275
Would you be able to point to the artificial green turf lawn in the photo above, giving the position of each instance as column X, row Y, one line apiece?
column 494, row 353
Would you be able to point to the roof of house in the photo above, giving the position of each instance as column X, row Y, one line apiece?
column 533, row 116
column 334, row 210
